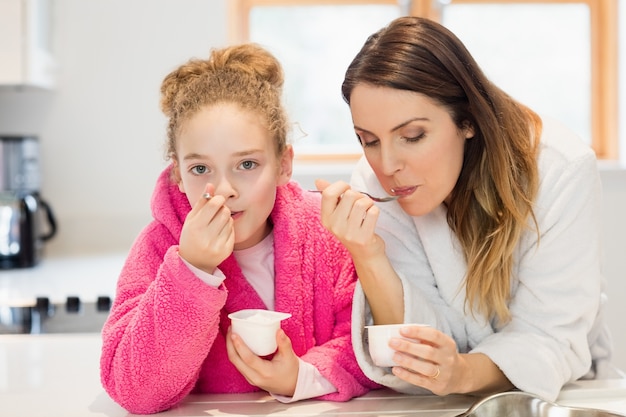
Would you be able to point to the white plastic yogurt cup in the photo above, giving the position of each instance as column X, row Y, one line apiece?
column 258, row 328
column 378, row 339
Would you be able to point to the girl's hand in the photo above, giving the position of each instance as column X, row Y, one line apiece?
column 208, row 236
column 277, row 375
column 351, row 217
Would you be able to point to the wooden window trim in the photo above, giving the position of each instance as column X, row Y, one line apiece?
column 604, row 58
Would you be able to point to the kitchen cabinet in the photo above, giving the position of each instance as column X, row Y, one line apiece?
column 25, row 44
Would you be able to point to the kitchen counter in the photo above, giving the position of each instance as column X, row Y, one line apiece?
column 58, row 376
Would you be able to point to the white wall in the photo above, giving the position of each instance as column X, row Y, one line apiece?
column 102, row 132
column 101, row 129
column 614, row 232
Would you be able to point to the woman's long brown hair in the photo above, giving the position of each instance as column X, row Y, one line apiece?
column 492, row 201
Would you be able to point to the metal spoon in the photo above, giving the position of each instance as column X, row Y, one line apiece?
column 376, row 199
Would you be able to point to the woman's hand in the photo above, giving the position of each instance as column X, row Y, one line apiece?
column 208, row 236
column 351, row 217
column 278, row 375
column 430, row 360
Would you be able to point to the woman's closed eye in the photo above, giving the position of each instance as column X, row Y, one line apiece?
column 365, row 140
column 414, row 138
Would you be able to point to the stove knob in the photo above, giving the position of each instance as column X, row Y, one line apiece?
column 72, row 305
column 42, row 305
column 103, row 304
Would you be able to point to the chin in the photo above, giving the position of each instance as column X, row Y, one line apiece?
column 412, row 209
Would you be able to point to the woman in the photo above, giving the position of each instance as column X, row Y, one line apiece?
column 494, row 240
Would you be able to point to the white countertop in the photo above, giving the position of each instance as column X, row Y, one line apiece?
column 58, row 376
column 87, row 277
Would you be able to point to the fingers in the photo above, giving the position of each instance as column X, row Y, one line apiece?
column 241, row 356
column 428, row 376
column 424, row 343
column 345, row 210
column 321, row 184
column 238, row 352
column 331, row 197
column 207, row 194
column 278, row 375
column 283, row 342
column 427, row 360
column 207, row 237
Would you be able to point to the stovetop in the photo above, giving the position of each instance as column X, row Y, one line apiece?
column 73, row 316
column 70, row 294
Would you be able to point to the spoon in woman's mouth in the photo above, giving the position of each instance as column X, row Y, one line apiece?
column 376, row 199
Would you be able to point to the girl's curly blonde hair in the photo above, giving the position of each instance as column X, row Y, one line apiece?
column 246, row 75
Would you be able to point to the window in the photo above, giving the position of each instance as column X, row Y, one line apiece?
column 315, row 43
column 573, row 77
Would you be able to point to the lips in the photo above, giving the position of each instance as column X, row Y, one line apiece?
column 236, row 214
column 403, row 191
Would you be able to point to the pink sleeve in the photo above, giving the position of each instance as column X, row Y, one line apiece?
column 335, row 359
column 159, row 331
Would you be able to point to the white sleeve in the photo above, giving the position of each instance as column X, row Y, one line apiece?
column 310, row 384
column 559, row 286
column 214, row 280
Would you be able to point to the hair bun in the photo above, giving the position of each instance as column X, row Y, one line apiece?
column 249, row 58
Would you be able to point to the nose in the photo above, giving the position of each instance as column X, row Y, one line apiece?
column 390, row 159
column 224, row 187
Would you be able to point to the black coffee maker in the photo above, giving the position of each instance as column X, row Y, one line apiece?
column 26, row 221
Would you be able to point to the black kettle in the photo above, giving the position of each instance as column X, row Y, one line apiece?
column 23, row 229
column 26, row 221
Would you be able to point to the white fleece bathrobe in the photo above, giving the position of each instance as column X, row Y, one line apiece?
column 557, row 333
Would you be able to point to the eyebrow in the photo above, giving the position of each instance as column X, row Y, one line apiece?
column 401, row 125
column 194, row 155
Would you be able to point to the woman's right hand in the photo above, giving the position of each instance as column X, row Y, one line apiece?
column 208, row 235
column 351, row 217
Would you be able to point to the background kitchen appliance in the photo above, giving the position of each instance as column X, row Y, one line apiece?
column 26, row 221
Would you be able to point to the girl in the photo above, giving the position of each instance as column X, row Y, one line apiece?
column 230, row 232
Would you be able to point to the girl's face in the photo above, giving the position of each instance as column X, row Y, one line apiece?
column 231, row 149
column 411, row 143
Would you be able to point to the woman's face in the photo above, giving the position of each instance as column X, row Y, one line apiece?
column 411, row 143
column 232, row 149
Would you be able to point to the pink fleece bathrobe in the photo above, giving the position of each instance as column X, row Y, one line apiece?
column 165, row 336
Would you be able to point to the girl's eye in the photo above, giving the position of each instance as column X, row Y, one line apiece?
column 247, row 165
column 199, row 169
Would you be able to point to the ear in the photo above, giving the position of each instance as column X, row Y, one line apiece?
column 177, row 177
column 285, row 166
column 468, row 130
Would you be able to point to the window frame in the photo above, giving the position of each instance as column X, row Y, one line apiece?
column 604, row 56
